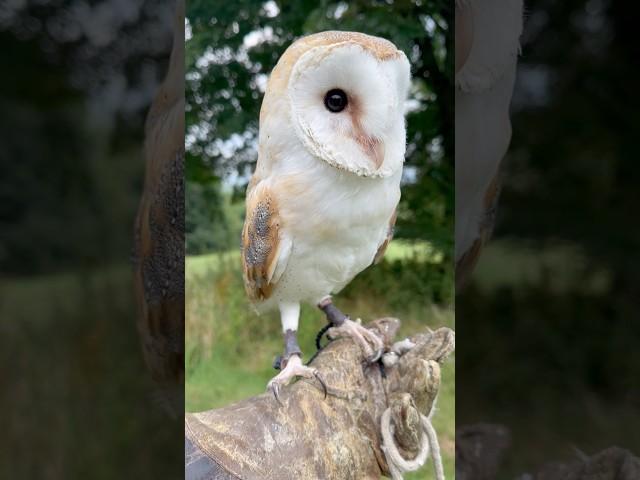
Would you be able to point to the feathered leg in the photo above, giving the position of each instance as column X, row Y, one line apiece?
column 371, row 344
column 291, row 361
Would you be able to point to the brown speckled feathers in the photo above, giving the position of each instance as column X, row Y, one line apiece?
column 159, row 232
column 260, row 242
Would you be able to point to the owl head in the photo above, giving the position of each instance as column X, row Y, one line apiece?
column 344, row 94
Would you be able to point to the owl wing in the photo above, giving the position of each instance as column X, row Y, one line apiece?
column 467, row 262
column 385, row 243
column 265, row 247
column 495, row 27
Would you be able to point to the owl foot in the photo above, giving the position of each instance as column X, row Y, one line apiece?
column 293, row 368
column 372, row 345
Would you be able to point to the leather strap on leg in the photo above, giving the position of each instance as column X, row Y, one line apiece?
column 291, row 347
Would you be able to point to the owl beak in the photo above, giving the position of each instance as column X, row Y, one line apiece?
column 374, row 149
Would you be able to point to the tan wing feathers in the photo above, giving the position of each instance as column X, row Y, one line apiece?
column 262, row 248
column 467, row 263
column 383, row 246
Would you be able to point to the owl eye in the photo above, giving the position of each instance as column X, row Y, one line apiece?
column 335, row 100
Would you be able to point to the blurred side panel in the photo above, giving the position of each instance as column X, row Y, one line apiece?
column 81, row 394
column 548, row 366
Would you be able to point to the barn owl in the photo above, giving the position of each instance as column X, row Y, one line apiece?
column 159, row 232
column 320, row 206
column 487, row 46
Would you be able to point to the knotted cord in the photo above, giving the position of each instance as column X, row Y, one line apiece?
column 398, row 466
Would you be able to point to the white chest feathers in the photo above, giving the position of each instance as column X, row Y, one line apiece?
column 336, row 227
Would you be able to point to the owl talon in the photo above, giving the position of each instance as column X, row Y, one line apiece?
column 275, row 389
column 321, row 381
column 292, row 369
column 376, row 356
column 371, row 345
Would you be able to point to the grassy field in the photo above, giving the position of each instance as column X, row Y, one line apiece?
column 74, row 387
column 229, row 349
column 548, row 347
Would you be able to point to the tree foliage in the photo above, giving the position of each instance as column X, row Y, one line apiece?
column 73, row 102
column 568, row 213
column 232, row 47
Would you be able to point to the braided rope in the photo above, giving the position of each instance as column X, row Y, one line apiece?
column 428, row 444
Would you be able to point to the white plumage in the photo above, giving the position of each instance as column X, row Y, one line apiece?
column 487, row 42
column 331, row 227
column 322, row 200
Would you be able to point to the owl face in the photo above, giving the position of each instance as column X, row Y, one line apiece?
column 345, row 95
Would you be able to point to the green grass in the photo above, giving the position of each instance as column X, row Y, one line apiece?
column 230, row 349
column 558, row 266
column 566, row 329
column 76, row 391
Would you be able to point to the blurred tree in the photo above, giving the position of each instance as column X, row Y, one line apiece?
column 571, row 179
column 71, row 134
column 205, row 222
column 573, row 166
column 575, row 125
column 232, row 47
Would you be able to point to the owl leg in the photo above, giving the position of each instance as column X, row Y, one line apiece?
column 371, row 344
column 290, row 363
column 334, row 315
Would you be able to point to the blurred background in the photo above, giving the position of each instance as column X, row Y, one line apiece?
column 230, row 49
column 76, row 398
column 548, row 328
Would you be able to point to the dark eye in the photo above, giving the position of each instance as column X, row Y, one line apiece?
column 335, row 100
